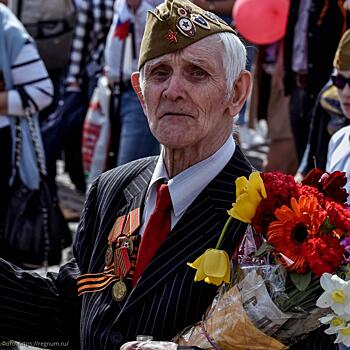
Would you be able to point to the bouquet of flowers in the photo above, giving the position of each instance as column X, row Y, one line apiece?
column 289, row 271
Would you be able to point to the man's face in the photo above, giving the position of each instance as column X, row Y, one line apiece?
column 185, row 96
column 344, row 94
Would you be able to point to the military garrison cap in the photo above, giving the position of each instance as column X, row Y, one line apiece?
column 175, row 24
column 342, row 56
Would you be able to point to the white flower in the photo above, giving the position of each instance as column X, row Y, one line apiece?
column 336, row 294
column 335, row 322
column 344, row 336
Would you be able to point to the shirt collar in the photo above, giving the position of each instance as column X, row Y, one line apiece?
column 187, row 185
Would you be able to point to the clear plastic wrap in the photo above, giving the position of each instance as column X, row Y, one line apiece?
column 261, row 309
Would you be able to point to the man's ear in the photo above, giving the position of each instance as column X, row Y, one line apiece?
column 136, row 85
column 241, row 91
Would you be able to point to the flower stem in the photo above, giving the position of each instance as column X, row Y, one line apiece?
column 218, row 244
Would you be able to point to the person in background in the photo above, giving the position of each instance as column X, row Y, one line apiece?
column 20, row 68
column 129, row 123
column 339, row 145
column 281, row 155
column 327, row 118
column 94, row 18
column 313, row 31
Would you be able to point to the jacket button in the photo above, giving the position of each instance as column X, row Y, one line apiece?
column 116, row 337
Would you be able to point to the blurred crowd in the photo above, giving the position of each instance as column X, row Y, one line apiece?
column 75, row 66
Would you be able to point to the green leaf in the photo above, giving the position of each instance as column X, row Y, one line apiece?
column 327, row 226
column 264, row 248
column 301, row 281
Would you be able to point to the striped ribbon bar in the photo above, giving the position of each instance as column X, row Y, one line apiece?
column 122, row 264
column 94, row 282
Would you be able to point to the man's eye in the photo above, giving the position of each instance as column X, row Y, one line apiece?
column 199, row 73
column 160, row 73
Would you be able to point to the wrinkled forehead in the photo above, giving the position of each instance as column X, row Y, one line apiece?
column 203, row 53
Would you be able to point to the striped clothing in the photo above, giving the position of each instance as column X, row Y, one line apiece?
column 94, row 18
column 28, row 71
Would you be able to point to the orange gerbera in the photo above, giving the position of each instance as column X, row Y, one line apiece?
column 293, row 228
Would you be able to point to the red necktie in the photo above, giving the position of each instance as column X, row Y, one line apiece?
column 156, row 231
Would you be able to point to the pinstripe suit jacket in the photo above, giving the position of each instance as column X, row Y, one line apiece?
column 165, row 299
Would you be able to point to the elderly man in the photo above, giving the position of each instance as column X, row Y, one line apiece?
column 192, row 82
column 145, row 220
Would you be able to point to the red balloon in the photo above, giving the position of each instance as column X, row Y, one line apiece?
column 261, row 21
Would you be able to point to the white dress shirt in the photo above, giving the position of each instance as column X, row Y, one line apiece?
column 186, row 186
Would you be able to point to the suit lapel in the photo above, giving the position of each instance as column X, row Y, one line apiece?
column 135, row 192
column 196, row 231
column 133, row 197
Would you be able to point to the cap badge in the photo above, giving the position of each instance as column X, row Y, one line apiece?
column 182, row 12
column 200, row 21
column 186, row 27
column 211, row 17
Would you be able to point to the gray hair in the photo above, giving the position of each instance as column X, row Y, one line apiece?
column 234, row 59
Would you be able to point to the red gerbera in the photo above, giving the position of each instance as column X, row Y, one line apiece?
column 323, row 254
column 294, row 227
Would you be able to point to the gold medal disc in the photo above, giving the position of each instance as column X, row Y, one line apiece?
column 119, row 290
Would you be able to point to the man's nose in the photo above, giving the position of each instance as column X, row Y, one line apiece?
column 175, row 89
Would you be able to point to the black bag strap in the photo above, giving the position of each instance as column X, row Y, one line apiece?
column 40, row 162
column 39, row 154
column 18, row 143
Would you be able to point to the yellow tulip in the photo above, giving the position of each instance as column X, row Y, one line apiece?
column 241, row 185
column 249, row 194
column 213, row 267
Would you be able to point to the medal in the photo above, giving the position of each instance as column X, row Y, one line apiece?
column 119, row 290
column 127, row 242
column 109, row 256
column 116, row 229
column 122, row 264
column 132, row 222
